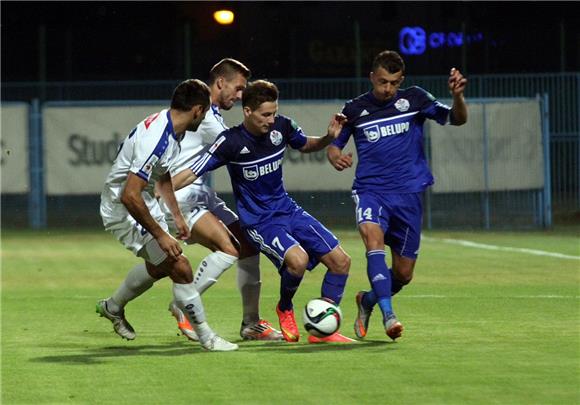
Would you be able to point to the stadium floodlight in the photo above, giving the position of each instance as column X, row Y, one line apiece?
column 224, row 17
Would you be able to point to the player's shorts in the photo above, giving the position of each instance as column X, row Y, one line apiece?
column 398, row 215
column 129, row 232
column 194, row 201
column 275, row 238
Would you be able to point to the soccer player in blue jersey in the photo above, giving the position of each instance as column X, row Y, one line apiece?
column 291, row 238
column 387, row 126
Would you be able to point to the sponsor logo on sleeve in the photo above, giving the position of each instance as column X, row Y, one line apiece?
column 149, row 165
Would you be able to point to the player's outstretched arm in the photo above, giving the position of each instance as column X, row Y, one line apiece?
column 337, row 159
column 457, row 85
column 183, row 178
column 133, row 201
column 165, row 188
column 334, row 127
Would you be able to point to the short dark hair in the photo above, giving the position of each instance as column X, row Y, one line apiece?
column 189, row 93
column 258, row 92
column 228, row 67
column 391, row 61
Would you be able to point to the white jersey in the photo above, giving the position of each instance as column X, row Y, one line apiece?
column 194, row 144
column 147, row 151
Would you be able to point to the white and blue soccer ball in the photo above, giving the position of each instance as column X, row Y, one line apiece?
column 321, row 317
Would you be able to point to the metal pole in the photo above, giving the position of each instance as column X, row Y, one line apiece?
column 42, row 61
column 547, row 164
column 187, row 50
column 357, row 62
column 486, row 208
column 36, row 194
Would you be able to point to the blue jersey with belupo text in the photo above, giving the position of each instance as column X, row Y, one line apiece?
column 389, row 139
column 255, row 167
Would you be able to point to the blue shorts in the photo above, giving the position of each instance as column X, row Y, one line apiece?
column 398, row 215
column 276, row 237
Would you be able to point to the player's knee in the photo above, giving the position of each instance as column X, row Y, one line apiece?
column 296, row 263
column 230, row 249
column 404, row 276
column 342, row 265
column 181, row 271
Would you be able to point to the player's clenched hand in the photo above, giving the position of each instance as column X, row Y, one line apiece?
column 335, row 125
column 456, row 82
column 343, row 162
column 183, row 231
column 170, row 245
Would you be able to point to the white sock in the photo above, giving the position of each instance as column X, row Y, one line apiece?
column 211, row 268
column 189, row 301
column 136, row 283
column 249, row 284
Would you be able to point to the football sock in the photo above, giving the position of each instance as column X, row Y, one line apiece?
column 380, row 278
column 288, row 286
column 136, row 283
column 211, row 268
column 333, row 286
column 189, row 301
column 249, row 284
column 370, row 299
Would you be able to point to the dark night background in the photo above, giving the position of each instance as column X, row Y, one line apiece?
column 147, row 40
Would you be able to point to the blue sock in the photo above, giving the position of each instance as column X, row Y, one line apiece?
column 380, row 278
column 288, row 286
column 333, row 286
column 370, row 299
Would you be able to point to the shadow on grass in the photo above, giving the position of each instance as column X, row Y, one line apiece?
column 101, row 354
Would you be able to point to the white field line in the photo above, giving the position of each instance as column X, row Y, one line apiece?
column 476, row 245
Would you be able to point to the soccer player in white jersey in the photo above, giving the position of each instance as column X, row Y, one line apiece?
column 386, row 124
column 211, row 222
column 130, row 211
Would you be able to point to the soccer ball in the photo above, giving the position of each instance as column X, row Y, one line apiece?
column 321, row 317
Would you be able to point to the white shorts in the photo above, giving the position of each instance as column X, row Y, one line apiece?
column 194, row 201
column 129, row 232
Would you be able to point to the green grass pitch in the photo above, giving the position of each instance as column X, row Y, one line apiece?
column 481, row 327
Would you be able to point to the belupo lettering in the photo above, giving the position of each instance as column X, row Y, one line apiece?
column 394, row 129
column 270, row 167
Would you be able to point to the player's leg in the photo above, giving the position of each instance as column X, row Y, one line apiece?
column 373, row 216
column 291, row 260
column 208, row 231
column 188, row 299
column 249, row 283
column 402, row 271
column 138, row 280
column 322, row 246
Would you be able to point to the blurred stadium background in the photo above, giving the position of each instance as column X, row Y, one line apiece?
column 77, row 76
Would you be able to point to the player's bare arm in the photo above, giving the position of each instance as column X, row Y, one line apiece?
column 133, row 201
column 457, row 85
column 337, row 159
column 314, row 144
column 165, row 188
column 183, row 178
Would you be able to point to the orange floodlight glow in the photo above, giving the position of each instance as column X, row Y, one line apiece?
column 224, row 17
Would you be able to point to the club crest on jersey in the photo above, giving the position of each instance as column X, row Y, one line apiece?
column 402, row 104
column 372, row 133
column 276, row 137
column 251, row 172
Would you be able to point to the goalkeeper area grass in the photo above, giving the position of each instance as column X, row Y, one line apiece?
column 490, row 318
